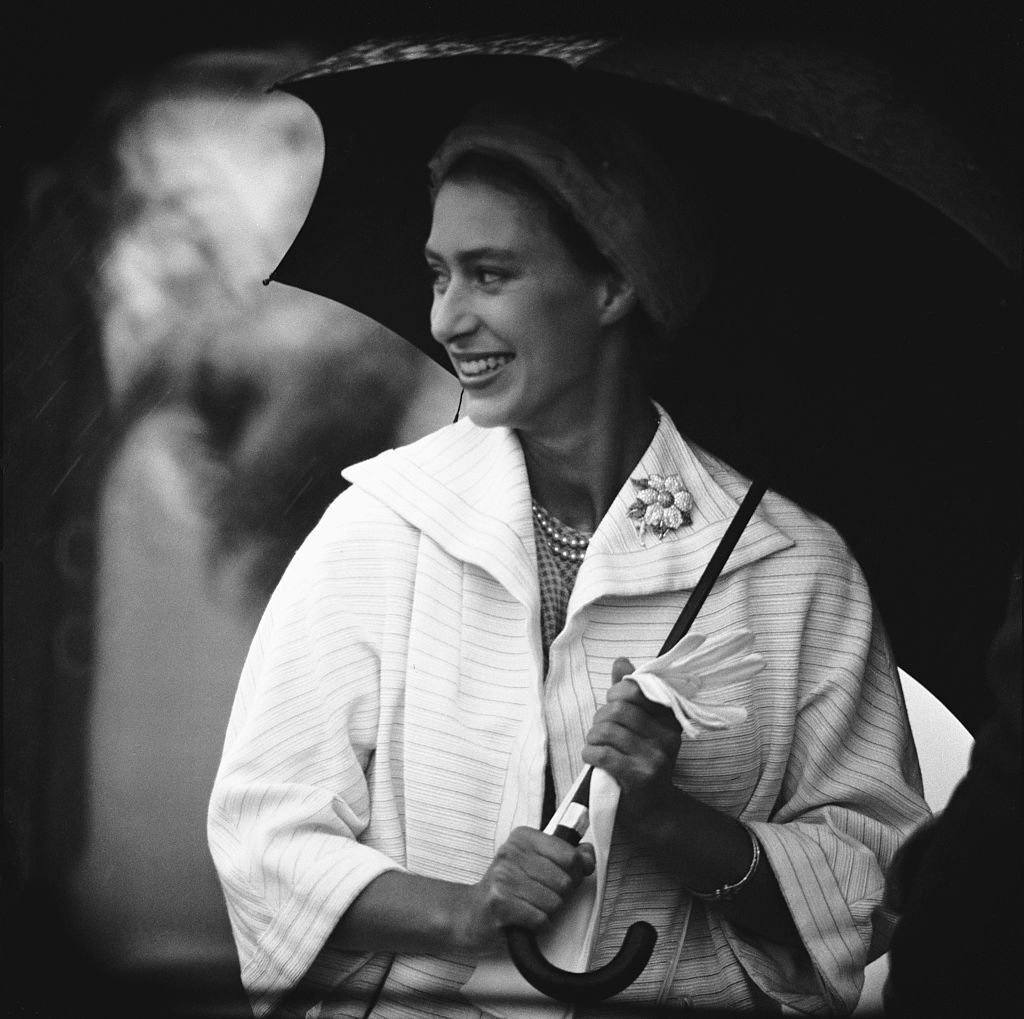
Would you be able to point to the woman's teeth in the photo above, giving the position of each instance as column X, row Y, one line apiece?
column 483, row 364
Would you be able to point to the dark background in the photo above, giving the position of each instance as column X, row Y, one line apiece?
column 59, row 57
column 59, row 60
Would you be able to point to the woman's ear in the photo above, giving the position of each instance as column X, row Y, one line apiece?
column 618, row 298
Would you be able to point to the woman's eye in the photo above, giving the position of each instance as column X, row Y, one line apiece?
column 487, row 277
column 438, row 278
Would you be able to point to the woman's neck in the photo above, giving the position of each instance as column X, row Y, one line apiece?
column 576, row 474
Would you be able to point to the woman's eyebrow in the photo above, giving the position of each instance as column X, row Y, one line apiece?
column 473, row 254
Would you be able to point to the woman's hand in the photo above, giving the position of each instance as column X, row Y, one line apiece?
column 528, row 881
column 637, row 743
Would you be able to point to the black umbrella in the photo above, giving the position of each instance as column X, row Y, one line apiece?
column 859, row 338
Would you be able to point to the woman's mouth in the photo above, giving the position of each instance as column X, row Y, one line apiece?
column 477, row 368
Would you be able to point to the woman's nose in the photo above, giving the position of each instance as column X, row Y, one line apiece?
column 451, row 314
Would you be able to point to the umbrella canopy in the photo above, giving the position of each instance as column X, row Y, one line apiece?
column 859, row 339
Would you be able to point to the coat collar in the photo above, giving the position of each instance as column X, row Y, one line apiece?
column 618, row 562
column 467, row 489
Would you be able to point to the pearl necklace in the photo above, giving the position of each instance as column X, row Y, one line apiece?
column 565, row 542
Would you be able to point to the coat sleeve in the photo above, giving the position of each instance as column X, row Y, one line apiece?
column 851, row 794
column 290, row 804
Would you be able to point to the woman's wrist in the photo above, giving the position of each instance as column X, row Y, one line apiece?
column 717, row 855
column 728, row 891
column 406, row 912
column 458, row 931
column 708, row 850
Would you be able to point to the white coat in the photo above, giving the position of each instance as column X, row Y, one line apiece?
column 392, row 713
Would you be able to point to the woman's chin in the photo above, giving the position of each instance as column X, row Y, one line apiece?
column 486, row 412
column 483, row 417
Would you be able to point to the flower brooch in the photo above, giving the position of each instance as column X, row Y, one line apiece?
column 662, row 505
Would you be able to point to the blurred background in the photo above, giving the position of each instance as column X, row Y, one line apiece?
column 173, row 428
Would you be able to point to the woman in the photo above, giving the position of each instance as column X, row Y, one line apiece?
column 427, row 678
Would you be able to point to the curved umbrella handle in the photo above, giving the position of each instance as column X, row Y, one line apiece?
column 638, row 945
column 581, row 988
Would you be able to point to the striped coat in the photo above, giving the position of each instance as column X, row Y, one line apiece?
column 392, row 713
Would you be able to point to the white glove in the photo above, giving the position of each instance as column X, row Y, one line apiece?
column 689, row 679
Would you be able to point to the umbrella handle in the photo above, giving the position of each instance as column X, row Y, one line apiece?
column 580, row 988
column 638, row 945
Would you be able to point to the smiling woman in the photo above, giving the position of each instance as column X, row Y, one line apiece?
column 523, row 323
column 456, row 638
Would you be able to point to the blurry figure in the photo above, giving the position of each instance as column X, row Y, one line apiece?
column 212, row 179
column 957, row 881
column 215, row 433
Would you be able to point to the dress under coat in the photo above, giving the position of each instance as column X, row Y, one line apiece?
column 393, row 713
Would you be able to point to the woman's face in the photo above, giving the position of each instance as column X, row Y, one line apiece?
column 520, row 320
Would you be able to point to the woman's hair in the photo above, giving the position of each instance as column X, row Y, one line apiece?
column 606, row 186
column 513, row 179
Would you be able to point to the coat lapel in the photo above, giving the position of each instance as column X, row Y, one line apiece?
column 618, row 562
column 467, row 489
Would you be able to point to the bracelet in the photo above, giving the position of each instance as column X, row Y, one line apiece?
column 727, row 892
